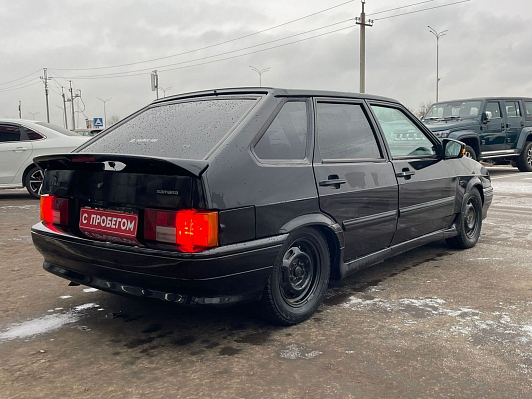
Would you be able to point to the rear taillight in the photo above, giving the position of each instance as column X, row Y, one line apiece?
column 54, row 210
column 191, row 230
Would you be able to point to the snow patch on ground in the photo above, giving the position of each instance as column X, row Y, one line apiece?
column 479, row 328
column 293, row 352
column 90, row 289
column 44, row 324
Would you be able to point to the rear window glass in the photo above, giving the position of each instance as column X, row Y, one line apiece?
column 185, row 130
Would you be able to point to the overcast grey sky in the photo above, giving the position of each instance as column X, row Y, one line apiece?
column 488, row 49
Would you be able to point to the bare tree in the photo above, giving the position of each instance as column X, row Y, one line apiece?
column 112, row 120
column 424, row 108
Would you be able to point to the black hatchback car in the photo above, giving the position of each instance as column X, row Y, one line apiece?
column 254, row 194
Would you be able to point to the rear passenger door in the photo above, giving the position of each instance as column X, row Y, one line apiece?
column 356, row 183
column 514, row 122
column 427, row 183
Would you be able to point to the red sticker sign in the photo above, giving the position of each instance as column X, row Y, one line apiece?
column 110, row 226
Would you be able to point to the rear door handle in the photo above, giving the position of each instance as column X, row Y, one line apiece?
column 332, row 180
column 502, row 125
column 406, row 173
column 20, row 149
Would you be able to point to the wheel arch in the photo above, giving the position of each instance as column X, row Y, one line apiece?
column 469, row 138
column 331, row 230
column 26, row 171
column 524, row 136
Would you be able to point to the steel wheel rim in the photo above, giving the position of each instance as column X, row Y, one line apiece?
column 529, row 157
column 300, row 273
column 471, row 218
column 36, row 179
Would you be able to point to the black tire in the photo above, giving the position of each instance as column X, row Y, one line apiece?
column 33, row 181
column 470, row 153
column 524, row 162
column 299, row 279
column 469, row 222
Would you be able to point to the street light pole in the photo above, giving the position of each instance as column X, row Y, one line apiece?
column 32, row 114
column 104, row 113
column 260, row 72
column 437, row 35
column 165, row 90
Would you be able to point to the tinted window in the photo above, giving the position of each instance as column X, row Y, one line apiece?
column 495, row 109
column 512, row 108
column 185, row 130
column 32, row 135
column 286, row 138
column 345, row 133
column 9, row 133
column 403, row 136
column 528, row 109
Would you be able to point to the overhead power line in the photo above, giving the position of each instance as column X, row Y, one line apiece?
column 17, row 88
column 398, row 8
column 206, row 47
column 118, row 74
column 24, row 77
column 425, row 9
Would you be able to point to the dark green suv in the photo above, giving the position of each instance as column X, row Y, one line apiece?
column 495, row 129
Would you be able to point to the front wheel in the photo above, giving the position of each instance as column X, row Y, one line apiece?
column 33, row 181
column 469, row 222
column 299, row 278
column 524, row 162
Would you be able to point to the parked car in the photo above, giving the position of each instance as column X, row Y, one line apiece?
column 494, row 129
column 21, row 141
column 254, row 194
column 88, row 132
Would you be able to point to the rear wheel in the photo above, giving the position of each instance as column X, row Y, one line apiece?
column 469, row 222
column 299, row 278
column 470, row 152
column 524, row 162
column 33, row 181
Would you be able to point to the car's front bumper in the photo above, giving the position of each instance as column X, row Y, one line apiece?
column 488, row 198
column 223, row 275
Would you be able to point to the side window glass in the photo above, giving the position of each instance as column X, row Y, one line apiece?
column 512, row 109
column 9, row 133
column 32, row 135
column 403, row 137
column 495, row 109
column 528, row 109
column 344, row 132
column 286, row 138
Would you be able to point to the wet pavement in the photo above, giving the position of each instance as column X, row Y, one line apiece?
column 433, row 322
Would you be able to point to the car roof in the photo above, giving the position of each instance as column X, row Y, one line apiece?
column 484, row 98
column 277, row 92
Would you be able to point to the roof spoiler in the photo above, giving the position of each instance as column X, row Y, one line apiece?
column 133, row 163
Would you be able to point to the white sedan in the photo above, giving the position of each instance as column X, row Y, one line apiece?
column 22, row 140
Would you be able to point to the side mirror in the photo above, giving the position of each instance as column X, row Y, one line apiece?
column 486, row 117
column 453, row 149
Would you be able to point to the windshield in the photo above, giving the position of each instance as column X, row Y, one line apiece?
column 58, row 129
column 457, row 110
column 187, row 130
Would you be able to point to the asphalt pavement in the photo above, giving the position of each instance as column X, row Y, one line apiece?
column 431, row 323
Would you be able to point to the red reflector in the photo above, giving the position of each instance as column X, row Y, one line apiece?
column 54, row 210
column 83, row 159
column 191, row 230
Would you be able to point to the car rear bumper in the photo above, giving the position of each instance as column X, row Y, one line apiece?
column 223, row 275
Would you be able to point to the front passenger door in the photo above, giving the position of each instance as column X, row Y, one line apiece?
column 427, row 186
column 13, row 152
